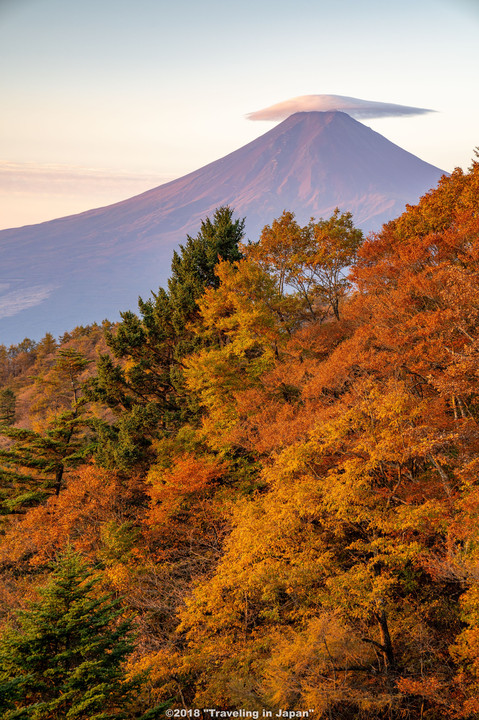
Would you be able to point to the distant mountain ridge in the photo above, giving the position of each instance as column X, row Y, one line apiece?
column 86, row 267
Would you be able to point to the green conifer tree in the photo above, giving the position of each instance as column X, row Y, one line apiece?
column 7, row 406
column 193, row 269
column 67, row 659
column 32, row 463
column 145, row 388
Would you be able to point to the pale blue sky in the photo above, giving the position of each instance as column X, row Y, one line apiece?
column 119, row 95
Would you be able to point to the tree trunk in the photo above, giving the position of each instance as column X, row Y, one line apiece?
column 386, row 644
column 58, row 479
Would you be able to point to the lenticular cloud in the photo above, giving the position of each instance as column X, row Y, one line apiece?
column 323, row 103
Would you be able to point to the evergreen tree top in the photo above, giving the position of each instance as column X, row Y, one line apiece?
column 67, row 660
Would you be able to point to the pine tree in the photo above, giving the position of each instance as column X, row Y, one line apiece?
column 7, row 407
column 193, row 269
column 67, row 659
column 33, row 463
column 146, row 387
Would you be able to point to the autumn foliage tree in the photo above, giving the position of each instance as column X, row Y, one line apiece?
column 355, row 547
column 313, row 260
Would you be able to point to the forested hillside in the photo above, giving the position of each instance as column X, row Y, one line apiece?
column 257, row 493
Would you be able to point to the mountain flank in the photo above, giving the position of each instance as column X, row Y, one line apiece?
column 83, row 268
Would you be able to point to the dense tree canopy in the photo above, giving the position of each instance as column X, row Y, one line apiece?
column 283, row 485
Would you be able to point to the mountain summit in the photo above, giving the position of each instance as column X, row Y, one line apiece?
column 83, row 268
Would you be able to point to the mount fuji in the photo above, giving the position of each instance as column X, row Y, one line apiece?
column 86, row 267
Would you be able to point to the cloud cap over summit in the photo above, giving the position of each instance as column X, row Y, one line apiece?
column 355, row 107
